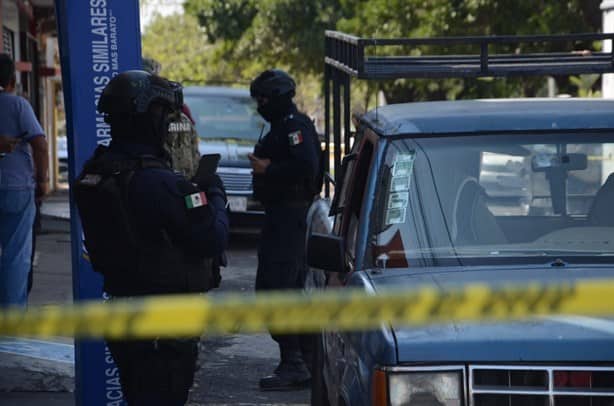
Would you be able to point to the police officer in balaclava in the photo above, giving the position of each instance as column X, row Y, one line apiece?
column 286, row 163
column 147, row 229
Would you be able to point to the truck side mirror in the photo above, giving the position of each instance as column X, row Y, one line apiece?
column 326, row 252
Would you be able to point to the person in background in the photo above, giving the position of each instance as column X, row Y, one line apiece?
column 24, row 179
column 182, row 142
column 182, row 148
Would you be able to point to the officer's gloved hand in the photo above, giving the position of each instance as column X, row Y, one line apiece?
column 212, row 185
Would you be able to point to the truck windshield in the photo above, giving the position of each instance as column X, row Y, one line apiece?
column 517, row 198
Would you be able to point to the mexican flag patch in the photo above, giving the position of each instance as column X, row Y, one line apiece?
column 196, row 200
column 295, row 138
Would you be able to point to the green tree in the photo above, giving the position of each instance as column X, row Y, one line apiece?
column 251, row 35
column 223, row 20
column 264, row 33
column 416, row 18
column 179, row 44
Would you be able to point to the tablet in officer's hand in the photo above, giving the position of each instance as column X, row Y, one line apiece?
column 207, row 166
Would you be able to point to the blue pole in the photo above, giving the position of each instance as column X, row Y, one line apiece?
column 98, row 39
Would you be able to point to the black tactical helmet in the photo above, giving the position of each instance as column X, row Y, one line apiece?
column 133, row 92
column 273, row 83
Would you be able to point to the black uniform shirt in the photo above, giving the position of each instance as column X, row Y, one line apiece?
column 293, row 147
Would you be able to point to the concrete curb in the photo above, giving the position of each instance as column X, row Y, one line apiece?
column 24, row 374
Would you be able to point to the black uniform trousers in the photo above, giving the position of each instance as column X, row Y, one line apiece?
column 282, row 264
column 155, row 372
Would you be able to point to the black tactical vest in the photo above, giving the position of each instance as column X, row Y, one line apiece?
column 130, row 266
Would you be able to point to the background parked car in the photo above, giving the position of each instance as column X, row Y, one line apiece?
column 61, row 147
column 228, row 124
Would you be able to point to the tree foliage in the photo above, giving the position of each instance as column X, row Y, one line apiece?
column 178, row 43
column 257, row 34
column 436, row 18
column 239, row 38
column 223, row 19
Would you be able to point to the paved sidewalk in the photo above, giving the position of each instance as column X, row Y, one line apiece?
column 41, row 372
column 56, row 206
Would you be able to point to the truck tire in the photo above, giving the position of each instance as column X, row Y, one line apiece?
column 319, row 392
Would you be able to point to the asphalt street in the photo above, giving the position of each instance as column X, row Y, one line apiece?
column 232, row 365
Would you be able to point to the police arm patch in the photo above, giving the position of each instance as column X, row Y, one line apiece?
column 196, row 200
column 295, row 138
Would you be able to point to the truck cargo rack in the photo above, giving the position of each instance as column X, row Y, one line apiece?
column 346, row 57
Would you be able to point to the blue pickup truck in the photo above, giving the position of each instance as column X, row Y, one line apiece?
column 442, row 194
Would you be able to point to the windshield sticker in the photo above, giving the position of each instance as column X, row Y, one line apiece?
column 398, row 200
column 399, row 187
column 403, row 165
column 399, row 184
column 395, row 216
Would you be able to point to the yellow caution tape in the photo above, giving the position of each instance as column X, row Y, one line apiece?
column 193, row 315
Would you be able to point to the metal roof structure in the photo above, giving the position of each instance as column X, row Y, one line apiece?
column 347, row 53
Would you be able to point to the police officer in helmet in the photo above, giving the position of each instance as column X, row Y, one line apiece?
column 147, row 229
column 286, row 164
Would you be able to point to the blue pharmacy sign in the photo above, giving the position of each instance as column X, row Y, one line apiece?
column 98, row 39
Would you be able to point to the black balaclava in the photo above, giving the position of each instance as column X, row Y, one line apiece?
column 277, row 108
column 145, row 128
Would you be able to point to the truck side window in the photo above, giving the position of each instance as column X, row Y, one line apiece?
column 358, row 180
column 341, row 199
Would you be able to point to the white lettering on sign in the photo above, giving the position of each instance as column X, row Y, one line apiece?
column 99, row 22
column 113, row 389
column 114, row 43
column 105, row 58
